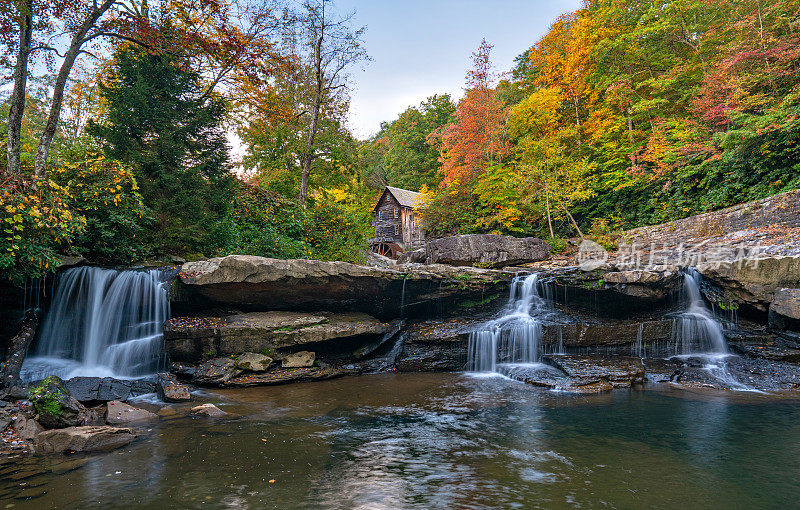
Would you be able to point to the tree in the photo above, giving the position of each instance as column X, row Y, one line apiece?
column 332, row 48
column 160, row 119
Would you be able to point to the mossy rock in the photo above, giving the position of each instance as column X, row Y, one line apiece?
column 55, row 405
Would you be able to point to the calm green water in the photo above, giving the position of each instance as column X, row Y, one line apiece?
column 444, row 441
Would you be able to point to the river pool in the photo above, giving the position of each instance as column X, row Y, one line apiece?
column 439, row 441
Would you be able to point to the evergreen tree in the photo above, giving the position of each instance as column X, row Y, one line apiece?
column 160, row 119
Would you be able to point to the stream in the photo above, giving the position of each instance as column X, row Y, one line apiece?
column 439, row 441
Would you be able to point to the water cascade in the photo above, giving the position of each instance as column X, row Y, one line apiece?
column 515, row 337
column 696, row 330
column 102, row 323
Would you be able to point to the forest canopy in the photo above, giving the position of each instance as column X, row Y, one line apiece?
column 119, row 120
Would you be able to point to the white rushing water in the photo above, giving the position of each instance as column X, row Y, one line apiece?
column 515, row 337
column 103, row 323
column 697, row 330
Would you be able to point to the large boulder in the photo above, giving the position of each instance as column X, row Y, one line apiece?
column 258, row 283
column 216, row 372
column 753, row 281
column 486, row 250
column 56, row 407
column 82, row 439
column 118, row 413
column 191, row 340
column 26, row 428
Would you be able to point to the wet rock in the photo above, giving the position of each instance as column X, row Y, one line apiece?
column 216, row 372
column 182, row 370
column 56, row 407
column 486, row 250
column 170, row 390
column 265, row 332
column 606, row 333
column 82, row 439
column 259, row 283
column 119, row 413
column 16, row 393
column 5, row 420
column 768, row 350
column 597, row 371
column 209, row 410
column 26, row 428
column 302, row 359
column 290, row 375
column 253, row 362
column 437, row 345
column 96, row 389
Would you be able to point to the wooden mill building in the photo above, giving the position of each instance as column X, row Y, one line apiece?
column 397, row 225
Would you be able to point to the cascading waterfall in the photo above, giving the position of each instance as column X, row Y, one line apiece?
column 699, row 334
column 104, row 323
column 696, row 330
column 516, row 336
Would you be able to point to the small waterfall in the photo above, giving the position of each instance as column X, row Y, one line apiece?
column 514, row 337
column 403, row 298
column 102, row 323
column 697, row 330
column 638, row 348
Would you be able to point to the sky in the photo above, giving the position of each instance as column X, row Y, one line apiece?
column 420, row 48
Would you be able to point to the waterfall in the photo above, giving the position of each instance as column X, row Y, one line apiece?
column 696, row 330
column 104, row 323
column 515, row 336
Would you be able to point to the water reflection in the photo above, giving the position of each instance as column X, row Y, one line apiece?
column 450, row 441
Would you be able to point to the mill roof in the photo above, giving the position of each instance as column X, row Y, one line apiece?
column 406, row 198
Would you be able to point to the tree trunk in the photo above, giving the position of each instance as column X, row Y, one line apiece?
column 574, row 223
column 74, row 50
column 17, row 347
column 17, row 101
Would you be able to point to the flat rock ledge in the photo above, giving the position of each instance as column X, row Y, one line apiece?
column 260, row 283
column 194, row 338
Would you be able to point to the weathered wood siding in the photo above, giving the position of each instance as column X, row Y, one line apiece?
column 389, row 220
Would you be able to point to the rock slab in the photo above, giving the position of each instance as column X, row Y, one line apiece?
column 209, row 410
column 82, row 439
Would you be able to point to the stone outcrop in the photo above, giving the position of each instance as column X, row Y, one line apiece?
column 82, row 439
column 583, row 374
column 254, row 332
column 485, row 250
column 260, row 284
column 56, row 407
column 119, row 413
column 753, row 282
